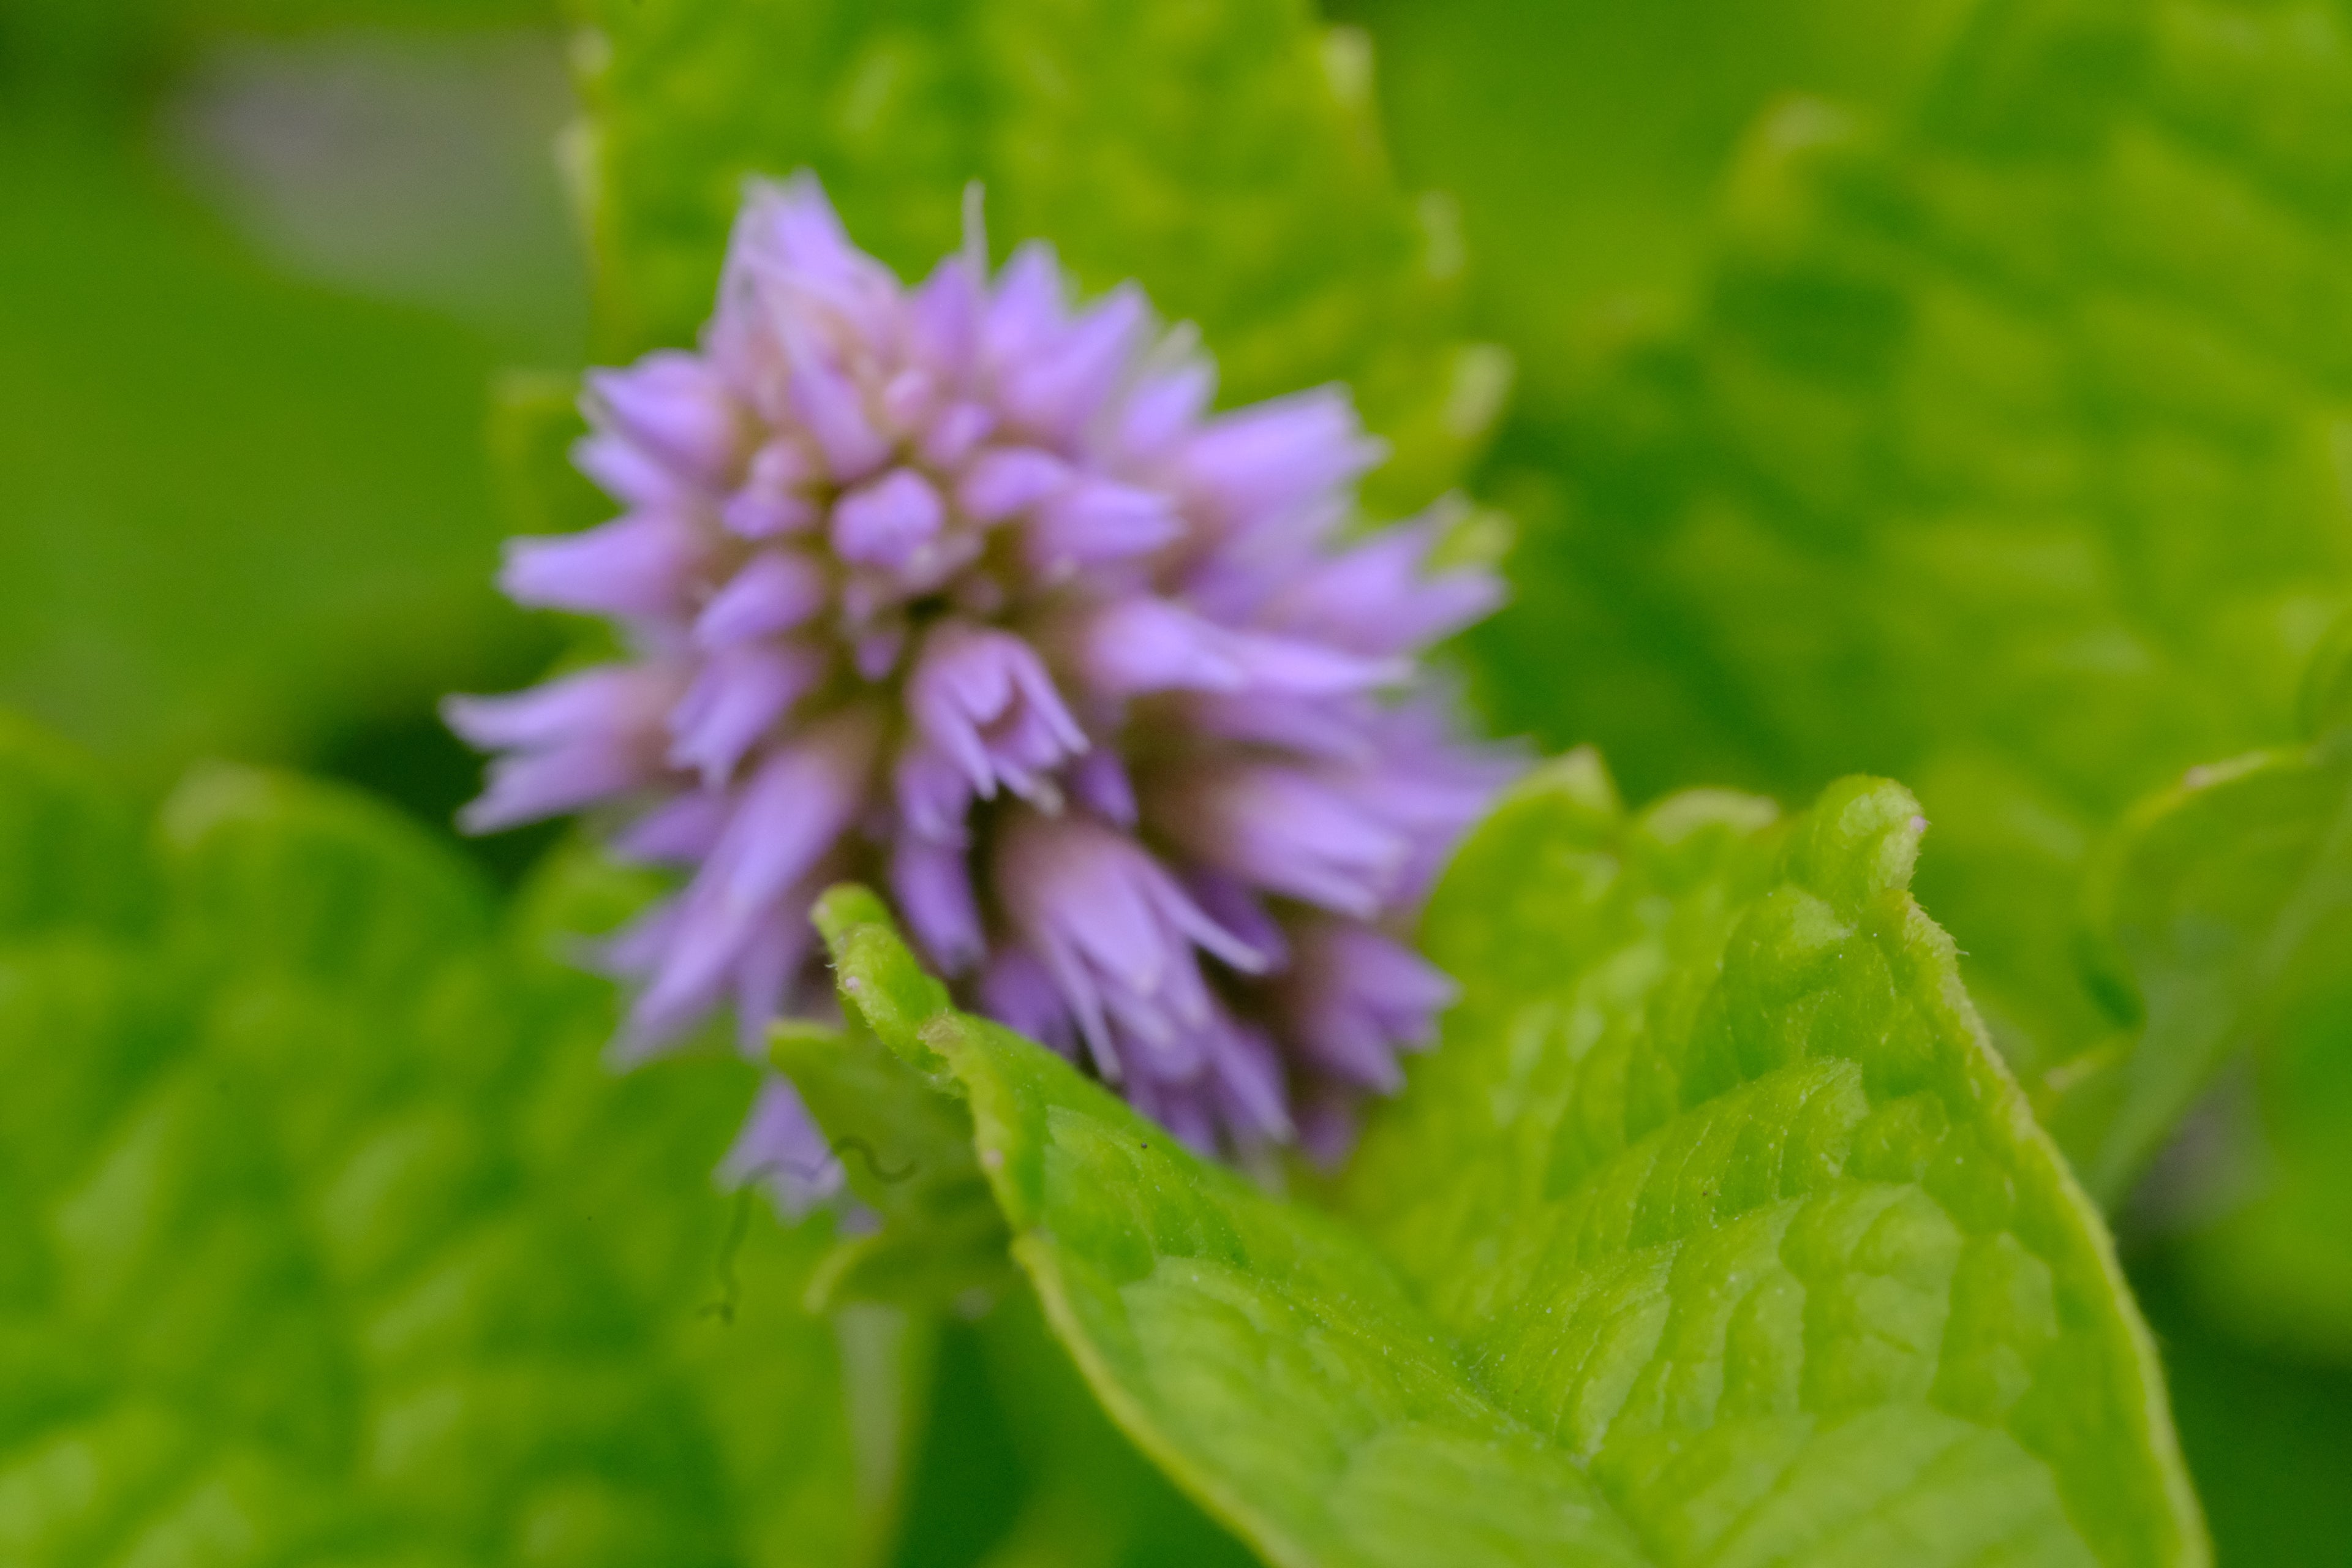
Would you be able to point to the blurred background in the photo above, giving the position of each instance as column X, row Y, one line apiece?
column 259, row 264
column 263, row 262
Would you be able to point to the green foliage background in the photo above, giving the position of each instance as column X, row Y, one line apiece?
column 1956, row 394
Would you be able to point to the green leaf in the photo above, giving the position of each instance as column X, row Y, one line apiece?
column 1266, row 1356
column 899, row 1128
column 905, row 1138
column 2264, row 1432
column 1733, row 1240
column 1093, row 1500
column 1019, row 1467
column 1720, row 1187
column 244, row 514
column 2226, row 903
column 535, row 418
column 1995, row 454
column 1586, row 142
column 2222, row 910
column 326, row 1235
column 1221, row 153
column 76, row 855
column 906, row 1150
column 2265, row 1254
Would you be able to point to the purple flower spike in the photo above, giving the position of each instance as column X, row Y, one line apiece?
column 963, row 591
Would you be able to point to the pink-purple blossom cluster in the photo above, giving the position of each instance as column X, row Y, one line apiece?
column 966, row 592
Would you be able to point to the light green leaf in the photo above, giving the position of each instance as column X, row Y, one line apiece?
column 904, row 1134
column 1733, row 1240
column 1718, row 1184
column 1997, row 453
column 906, row 1150
column 1222, row 154
column 325, row 1234
column 1266, row 1356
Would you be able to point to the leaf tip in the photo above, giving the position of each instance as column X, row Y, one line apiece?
column 1861, row 839
column 879, row 980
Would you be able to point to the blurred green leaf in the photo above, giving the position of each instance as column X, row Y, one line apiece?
column 1586, row 140
column 98, row 52
column 2273, row 1266
column 535, row 419
column 1720, row 1183
column 1020, row 1468
column 2001, row 455
column 2265, row 1433
column 2224, row 909
column 1735, row 1239
column 295, row 16
column 1095, row 1500
column 2226, row 904
column 242, row 514
column 326, row 1236
column 1223, row 153
column 1266, row 1356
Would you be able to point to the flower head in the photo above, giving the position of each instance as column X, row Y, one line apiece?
column 964, row 591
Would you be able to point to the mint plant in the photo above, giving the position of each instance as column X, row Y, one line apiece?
column 1745, row 1242
column 328, row 1238
column 1928, row 482
column 1172, row 1047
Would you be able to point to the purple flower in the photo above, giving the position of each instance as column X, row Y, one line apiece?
column 962, row 591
